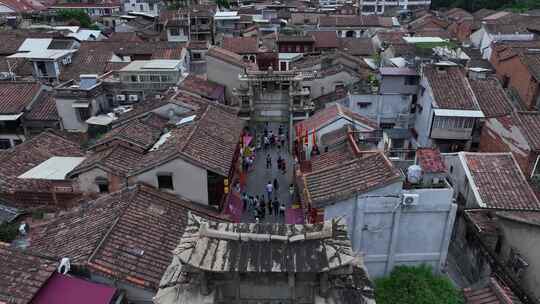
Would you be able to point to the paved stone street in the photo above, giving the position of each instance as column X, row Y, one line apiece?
column 259, row 175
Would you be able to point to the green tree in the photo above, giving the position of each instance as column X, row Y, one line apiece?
column 416, row 285
column 8, row 232
column 79, row 15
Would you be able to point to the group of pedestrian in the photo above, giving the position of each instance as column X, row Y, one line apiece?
column 260, row 207
column 271, row 140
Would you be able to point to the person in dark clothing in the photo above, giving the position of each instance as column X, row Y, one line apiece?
column 276, row 185
column 270, row 208
column 280, row 130
column 262, row 210
column 275, row 207
column 279, row 161
column 268, row 161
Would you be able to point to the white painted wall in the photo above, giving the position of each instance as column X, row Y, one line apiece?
column 87, row 180
column 388, row 234
column 69, row 117
column 424, row 119
column 189, row 181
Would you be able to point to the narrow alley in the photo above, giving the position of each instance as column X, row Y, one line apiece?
column 259, row 175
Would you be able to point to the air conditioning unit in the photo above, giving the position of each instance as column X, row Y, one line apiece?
column 121, row 97
column 133, row 97
column 410, row 199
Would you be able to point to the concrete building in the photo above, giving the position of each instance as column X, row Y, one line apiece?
column 259, row 268
column 392, row 221
column 225, row 67
column 369, row 7
column 393, row 102
column 193, row 23
column 447, row 110
column 147, row 7
column 495, row 234
column 78, row 101
column 226, row 24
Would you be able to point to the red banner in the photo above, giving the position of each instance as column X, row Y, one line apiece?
column 234, row 207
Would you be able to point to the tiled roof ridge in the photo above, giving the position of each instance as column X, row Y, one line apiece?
column 176, row 199
column 355, row 159
column 193, row 130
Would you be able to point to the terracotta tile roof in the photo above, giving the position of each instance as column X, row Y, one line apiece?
column 202, row 87
column 332, row 113
column 511, row 23
column 241, row 45
column 127, row 236
column 427, row 22
column 484, row 220
column 22, row 275
column 117, row 160
column 527, row 217
column 333, row 96
column 450, row 87
column 294, row 38
column 333, row 157
column 13, row 39
column 325, row 39
column 91, row 58
column 24, row 6
column 305, row 18
column 94, row 57
column 492, row 292
column 227, row 56
column 210, row 141
column 353, row 21
column 441, row 33
column 357, row 46
column 529, row 124
column 142, row 132
column 483, row 13
column 124, row 37
column 392, row 37
column 458, row 14
column 499, row 181
column 15, row 97
column 491, row 97
column 34, row 151
column 343, row 180
column 43, row 109
column 532, row 61
column 430, row 160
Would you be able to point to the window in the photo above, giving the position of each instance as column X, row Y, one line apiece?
column 103, row 184
column 173, row 31
column 363, row 104
column 141, row 7
column 4, row 144
column 134, row 78
column 151, row 6
column 154, row 78
column 17, row 142
column 197, row 56
column 204, row 21
column 165, row 181
column 84, row 113
column 165, row 78
column 411, row 80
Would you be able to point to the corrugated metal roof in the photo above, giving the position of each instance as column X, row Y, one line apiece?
column 54, row 168
column 34, row 44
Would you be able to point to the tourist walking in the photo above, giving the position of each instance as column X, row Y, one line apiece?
column 269, row 190
column 275, row 206
column 276, row 184
column 268, row 161
column 282, row 209
column 291, row 191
